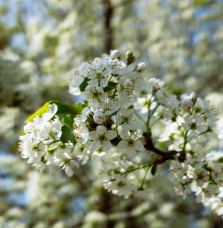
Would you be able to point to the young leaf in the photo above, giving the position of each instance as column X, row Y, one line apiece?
column 68, row 120
column 67, row 135
column 63, row 108
column 39, row 112
column 154, row 169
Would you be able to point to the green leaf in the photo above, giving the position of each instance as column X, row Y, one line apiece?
column 39, row 112
column 68, row 120
column 154, row 169
column 67, row 135
column 63, row 108
column 203, row 3
column 84, row 84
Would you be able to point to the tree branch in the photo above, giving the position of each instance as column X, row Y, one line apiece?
column 108, row 13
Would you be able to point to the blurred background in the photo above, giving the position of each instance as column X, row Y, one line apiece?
column 181, row 42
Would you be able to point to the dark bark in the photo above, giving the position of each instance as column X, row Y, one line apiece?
column 108, row 31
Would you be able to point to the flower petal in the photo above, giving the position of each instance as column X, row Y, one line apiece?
column 131, row 153
column 125, row 134
column 139, row 146
column 101, row 130
column 202, row 127
column 118, row 118
column 93, row 135
column 198, row 118
column 188, row 119
column 111, row 134
column 103, row 82
column 95, row 145
column 106, row 145
column 122, row 145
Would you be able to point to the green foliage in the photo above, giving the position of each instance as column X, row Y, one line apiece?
column 154, row 169
column 110, row 86
column 50, row 43
column 83, row 84
column 202, row 3
column 68, row 120
column 63, row 108
column 39, row 112
column 67, row 135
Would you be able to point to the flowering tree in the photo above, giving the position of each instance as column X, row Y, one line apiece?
column 115, row 125
column 180, row 42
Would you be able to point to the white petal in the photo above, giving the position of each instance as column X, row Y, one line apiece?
column 137, row 134
column 107, row 71
column 101, row 130
column 131, row 153
column 69, row 171
column 125, row 134
column 93, row 82
column 192, row 135
column 198, row 118
column 86, row 95
column 202, row 127
column 74, row 91
column 130, row 113
column 111, row 134
column 139, row 146
column 122, row 145
column 93, row 135
column 99, row 89
column 186, row 126
column 106, row 145
column 95, row 145
column 118, row 118
column 74, row 163
column 103, row 97
column 188, row 119
column 103, row 82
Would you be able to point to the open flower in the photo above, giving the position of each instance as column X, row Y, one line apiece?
column 95, row 95
column 130, row 143
column 81, row 131
column 99, row 117
column 101, row 138
column 195, row 125
column 126, row 118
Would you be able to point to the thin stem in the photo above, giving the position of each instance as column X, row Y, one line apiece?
column 131, row 170
column 144, row 178
column 133, row 162
column 148, row 119
column 155, row 109
column 141, row 118
column 155, row 122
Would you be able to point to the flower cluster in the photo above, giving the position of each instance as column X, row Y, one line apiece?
column 116, row 124
column 41, row 142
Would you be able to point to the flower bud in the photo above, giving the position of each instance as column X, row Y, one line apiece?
column 141, row 67
column 156, row 83
column 115, row 54
column 130, row 57
column 99, row 117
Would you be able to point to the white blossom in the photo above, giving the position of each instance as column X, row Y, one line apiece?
column 101, row 138
column 130, row 144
